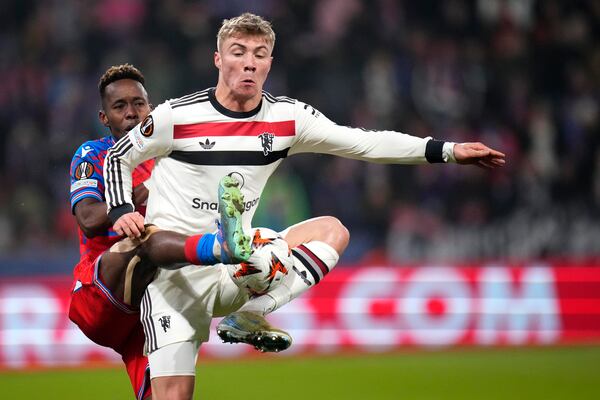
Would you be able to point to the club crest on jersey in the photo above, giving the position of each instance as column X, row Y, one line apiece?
column 147, row 126
column 165, row 322
column 266, row 140
column 84, row 170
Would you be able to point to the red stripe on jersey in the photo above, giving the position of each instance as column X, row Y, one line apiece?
column 142, row 172
column 250, row 128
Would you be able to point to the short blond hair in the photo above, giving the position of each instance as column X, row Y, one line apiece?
column 246, row 24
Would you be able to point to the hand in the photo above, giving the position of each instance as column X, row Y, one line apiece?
column 478, row 154
column 130, row 224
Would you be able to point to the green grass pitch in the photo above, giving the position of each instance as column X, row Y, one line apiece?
column 571, row 373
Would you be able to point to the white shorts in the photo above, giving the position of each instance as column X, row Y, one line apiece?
column 178, row 305
column 177, row 359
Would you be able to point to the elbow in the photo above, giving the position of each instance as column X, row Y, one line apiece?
column 91, row 228
column 88, row 231
column 91, row 217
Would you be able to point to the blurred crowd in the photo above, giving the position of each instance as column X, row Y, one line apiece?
column 522, row 76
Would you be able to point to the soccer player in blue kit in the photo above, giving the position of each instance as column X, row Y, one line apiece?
column 113, row 272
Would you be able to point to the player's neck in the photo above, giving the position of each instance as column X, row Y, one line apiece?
column 230, row 101
column 117, row 135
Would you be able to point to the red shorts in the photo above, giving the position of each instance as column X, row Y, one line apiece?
column 108, row 322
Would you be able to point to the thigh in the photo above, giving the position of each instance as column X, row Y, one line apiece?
column 175, row 359
column 126, row 271
column 325, row 229
column 100, row 316
column 178, row 305
column 173, row 370
column 112, row 269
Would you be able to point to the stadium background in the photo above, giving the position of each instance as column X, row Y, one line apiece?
column 520, row 75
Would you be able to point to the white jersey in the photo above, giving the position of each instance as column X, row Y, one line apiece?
column 196, row 141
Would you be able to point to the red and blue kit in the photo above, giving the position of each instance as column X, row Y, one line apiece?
column 87, row 181
column 103, row 318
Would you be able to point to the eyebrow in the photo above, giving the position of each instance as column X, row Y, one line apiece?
column 122, row 100
column 262, row 46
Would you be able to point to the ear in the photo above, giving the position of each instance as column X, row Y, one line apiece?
column 217, row 60
column 103, row 118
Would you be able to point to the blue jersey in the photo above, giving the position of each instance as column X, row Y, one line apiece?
column 87, row 181
column 86, row 170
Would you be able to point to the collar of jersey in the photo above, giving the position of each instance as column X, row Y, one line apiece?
column 232, row 114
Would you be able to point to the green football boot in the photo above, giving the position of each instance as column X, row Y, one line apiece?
column 253, row 329
column 235, row 245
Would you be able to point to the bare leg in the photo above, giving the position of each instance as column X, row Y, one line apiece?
column 162, row 248
column 317, row 241
column 327, row 229
column 173, row 368
column 173, row 388
column 316, row 246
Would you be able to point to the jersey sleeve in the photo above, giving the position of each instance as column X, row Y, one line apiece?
column 87, row 180
column 153, row 137
column 315, row 133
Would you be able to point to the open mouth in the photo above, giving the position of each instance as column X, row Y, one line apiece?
column 130, row 126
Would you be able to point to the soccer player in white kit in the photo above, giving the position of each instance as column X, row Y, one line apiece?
column 237, row 129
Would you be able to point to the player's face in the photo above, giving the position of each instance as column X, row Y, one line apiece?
column 244, row 63
column 125, row 105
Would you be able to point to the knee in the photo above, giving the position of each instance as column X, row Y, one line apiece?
column 338, row 234
column 173, row 388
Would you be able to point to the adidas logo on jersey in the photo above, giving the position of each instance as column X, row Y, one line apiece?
column 207, row 145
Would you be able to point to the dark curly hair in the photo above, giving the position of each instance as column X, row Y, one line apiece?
column 118, row 72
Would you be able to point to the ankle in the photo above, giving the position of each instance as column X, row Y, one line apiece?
column 262, row 305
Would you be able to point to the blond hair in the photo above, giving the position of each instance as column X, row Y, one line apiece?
column 246, row 24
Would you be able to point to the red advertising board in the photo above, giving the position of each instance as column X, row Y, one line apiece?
column 370, row 308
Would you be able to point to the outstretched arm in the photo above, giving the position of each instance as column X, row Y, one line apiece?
column 315, row 133
column 478, row 154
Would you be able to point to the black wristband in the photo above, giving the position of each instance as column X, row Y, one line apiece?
column 117, row 212
column 433, row 151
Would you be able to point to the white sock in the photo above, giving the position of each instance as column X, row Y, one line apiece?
column 312, row 261
column 217, row 248
column 262, row 304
